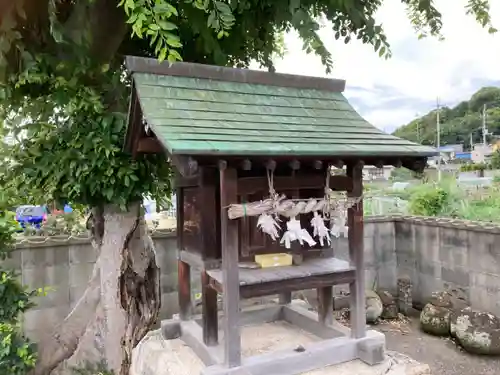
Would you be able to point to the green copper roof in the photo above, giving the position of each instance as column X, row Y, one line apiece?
column 205, row 116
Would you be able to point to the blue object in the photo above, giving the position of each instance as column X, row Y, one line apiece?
column 31, row 215
column 67, row 209
column 463, row 155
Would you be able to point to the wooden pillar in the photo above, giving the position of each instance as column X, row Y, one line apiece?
column 325, row 305
column 286, row 297
column 210, row 316
column 230, row 274
column 207, row 181
column 356, row 253
column 184, row 277
column 183, row 269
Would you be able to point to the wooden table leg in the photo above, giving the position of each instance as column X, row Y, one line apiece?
column 184, row 277
column 325, row 305
column 209, row 312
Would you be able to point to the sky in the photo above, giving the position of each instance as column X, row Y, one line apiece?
column 391, row 93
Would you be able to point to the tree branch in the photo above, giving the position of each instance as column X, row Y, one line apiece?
column 63, row 342
column 105, row 23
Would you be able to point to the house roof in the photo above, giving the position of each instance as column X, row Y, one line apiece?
column 198, row 109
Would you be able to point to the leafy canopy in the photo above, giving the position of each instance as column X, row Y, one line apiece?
column 64, row 90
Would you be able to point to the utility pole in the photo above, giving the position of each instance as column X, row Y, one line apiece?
column 485, row 131
column 438, row 138
column 418, row 128
column 471, row 143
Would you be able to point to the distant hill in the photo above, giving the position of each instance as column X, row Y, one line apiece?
column 459, row 122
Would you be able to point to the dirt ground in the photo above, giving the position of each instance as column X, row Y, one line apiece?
column 442, row 355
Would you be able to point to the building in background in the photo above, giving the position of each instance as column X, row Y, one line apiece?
column 466, row 156
column 481, row 153
column 448, row 152
column 372, row 173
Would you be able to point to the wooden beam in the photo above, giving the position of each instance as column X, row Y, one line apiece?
column 246, row 165
column 270, row 164
column 339, row 164
column 181, row 182
column 356, row 253
column 318, row 164
column 251, row 185
column 267, row 288
column 231, row 283
column 149, row 145
column 134, row 123
column 196, row 261
column 295, row 165
column 186, row 165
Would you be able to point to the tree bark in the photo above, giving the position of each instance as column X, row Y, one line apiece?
column 130, row 288
column 122, row 300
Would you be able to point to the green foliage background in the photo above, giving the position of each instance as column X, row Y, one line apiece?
column 17, row 353
column 64, row 89
column 457, row 123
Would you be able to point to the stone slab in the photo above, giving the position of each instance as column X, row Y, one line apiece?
column 155, row 356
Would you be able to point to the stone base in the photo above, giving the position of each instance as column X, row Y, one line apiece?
column 335, row 347
column 156, row 356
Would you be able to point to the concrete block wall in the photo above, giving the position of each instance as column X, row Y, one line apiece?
column 380, row 255
column 450, row 254
column 64, row 268
column 435, row 253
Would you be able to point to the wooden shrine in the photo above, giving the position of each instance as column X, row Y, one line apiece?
column 265, row 163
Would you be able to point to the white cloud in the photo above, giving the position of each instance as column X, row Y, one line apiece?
column 418, row 72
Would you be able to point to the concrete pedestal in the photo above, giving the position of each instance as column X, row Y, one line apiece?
column 336, row 345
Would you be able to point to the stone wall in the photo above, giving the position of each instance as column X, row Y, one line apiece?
column 380, row 255
column 442, row 254
column 64, row 267
column 434, row 253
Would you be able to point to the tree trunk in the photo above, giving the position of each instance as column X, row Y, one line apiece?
column 122, row 300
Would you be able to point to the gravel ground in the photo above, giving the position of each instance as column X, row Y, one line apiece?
column 442, row 355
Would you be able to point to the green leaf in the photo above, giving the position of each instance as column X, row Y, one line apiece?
column 211, row 19
column 165, row 25
column 223, row 7
column 174, row 56
column 162, row 55
column 174, row 42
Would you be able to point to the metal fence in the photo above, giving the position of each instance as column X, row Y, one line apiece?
column 385, row 206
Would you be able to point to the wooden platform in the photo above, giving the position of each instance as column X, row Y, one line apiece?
column 313, row 273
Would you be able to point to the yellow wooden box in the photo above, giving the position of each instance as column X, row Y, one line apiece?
column 273, row 260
